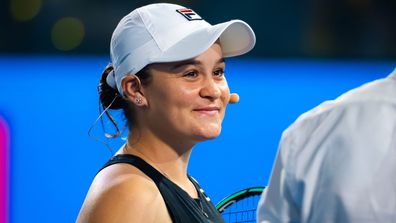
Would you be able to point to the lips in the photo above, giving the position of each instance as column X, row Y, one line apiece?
column 208, row 110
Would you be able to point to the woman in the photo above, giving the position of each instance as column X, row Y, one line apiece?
column 167, row 74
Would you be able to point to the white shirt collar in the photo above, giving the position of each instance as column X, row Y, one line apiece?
column 393, row 74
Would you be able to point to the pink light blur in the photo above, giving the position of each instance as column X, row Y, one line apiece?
column 4, row 144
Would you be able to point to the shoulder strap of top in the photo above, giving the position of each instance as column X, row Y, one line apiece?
column 138, row 163
column 207, row 204
column 181, row 207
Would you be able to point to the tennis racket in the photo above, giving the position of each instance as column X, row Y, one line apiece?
column 240, row 206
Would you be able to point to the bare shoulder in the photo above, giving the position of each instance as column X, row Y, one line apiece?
column 121, row 193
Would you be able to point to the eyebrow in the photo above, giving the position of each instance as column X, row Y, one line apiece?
column 192, row 62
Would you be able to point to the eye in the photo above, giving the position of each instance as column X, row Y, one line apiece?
column 191, row 74
column 218, row 73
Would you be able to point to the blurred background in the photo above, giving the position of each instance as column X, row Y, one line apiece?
column 284, row 28
column 52, row 53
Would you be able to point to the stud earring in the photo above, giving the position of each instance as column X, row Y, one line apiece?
column 139, row 100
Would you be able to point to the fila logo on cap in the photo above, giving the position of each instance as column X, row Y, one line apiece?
column 189, row 14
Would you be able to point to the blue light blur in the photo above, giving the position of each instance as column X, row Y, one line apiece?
column 50, row 103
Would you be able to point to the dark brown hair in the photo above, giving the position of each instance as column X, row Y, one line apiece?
column 110, row 98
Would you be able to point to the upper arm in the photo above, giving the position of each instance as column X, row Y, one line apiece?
column 327, row 149
column 277, row 203
column 281, row 200
column 125, row 198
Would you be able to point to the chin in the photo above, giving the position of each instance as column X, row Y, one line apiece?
column 208, row 135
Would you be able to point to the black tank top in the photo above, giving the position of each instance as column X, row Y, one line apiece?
column 181, row 207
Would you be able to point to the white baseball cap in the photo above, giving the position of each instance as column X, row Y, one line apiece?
column 163, row 32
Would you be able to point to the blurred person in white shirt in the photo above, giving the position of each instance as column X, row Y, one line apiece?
column 337, row 162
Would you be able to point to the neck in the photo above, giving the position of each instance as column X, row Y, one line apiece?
column 171, row 161
column 170, row 164
column 168, row 154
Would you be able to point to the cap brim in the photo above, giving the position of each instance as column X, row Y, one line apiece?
column 236, row 38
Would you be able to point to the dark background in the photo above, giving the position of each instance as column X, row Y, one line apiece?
column 284, row 28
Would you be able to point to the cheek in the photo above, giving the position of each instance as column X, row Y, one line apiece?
column 225, row 93
column 172, row 102
column 184, row 97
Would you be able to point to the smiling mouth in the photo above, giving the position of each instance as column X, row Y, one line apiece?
column 208, row 111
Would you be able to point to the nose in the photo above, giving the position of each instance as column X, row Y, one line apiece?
column 210, row 89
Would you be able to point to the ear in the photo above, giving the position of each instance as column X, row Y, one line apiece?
column 131, row 86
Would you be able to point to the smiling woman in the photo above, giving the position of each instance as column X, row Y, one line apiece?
column 167, row 74
column 188, row 98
